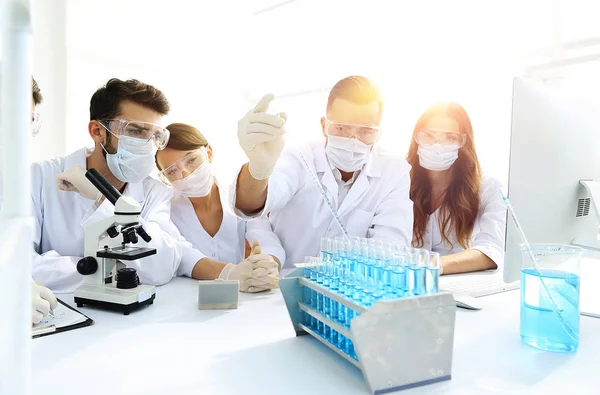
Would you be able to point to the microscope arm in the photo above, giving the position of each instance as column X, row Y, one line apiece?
column 96, row 232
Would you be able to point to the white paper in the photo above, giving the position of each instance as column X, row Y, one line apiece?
column 63, row 316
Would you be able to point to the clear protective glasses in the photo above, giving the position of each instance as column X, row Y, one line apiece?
column 442, row 137
column 184, row 166
column 368, row 134
column 138, row 129
column 36, row 123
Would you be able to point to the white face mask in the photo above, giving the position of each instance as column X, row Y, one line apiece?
column 346, row 154
column 133, row 161
column 197, row 184
column 437, row 157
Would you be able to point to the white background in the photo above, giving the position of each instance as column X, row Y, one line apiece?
column 213, row 59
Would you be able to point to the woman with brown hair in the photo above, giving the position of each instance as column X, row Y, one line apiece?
column 216, row 245
column 457, row 212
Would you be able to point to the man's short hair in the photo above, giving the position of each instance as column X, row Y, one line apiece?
column 106, row 102
column 356, row 89
column 36, row 93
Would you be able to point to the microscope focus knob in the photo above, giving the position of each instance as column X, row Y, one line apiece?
column 112, row 232
column 87, row 265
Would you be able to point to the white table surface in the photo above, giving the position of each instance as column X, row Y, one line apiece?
column 173, row 348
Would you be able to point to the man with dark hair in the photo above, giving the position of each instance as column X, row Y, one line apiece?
column 367, row 187
column 126, row 126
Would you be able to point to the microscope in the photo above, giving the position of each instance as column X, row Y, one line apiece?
column 103, row 285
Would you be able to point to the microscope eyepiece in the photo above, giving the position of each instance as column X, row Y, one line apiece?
column 109, row 192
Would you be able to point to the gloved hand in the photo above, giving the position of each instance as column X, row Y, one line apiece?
column 261, row 136
column 73, row 180
column 257, row 273
column 42, row 300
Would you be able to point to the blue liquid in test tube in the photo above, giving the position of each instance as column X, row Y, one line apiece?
column 327, row 251
column 432, row 280
column 416, row 272
column 398, row 276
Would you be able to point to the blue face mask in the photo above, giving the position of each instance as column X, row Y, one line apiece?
column 133, row 161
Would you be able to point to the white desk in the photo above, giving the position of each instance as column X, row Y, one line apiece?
column 172, row 348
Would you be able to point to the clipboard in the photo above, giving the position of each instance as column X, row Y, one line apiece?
column 52, row 329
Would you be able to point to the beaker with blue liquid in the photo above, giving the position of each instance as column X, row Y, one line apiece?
column 550, row 297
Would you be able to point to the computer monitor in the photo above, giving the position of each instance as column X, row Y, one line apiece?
column 555, row 143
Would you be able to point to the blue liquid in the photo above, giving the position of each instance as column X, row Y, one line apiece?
column 333, row 338
column 541, row 327
column 432, row 280
column 326, row 307
column 319, row 306
column 341, row 344
column 387, row 280
column 350, row 350
column 399, row 281
column 351, row 262
column 416, row 280
column 348, row 312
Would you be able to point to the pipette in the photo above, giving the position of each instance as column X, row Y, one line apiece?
column 536, row 266
column 332, row 209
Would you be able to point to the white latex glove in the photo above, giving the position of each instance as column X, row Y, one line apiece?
column 261, row 136
column 42, row 300
column 257, row 273
column 73, row 180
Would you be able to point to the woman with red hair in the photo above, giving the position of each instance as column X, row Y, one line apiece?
column 457, row 212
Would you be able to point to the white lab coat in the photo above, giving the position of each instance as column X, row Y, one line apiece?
column 229, row 243
column 377, row 205
column 488, row 233
column 61, row 218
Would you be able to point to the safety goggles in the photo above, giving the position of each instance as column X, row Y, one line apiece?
column 36, row 123
column 184, row 166
column 443, row 137
column 138, row 129
column 368, row 134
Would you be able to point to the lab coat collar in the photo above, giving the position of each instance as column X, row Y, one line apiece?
column 134, row 190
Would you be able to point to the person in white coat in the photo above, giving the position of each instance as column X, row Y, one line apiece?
column 457, row 212
column 368, row 187
column 42, row 299
column 125, row 124
column 217, row 240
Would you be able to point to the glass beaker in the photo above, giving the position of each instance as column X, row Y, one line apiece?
column 550, row 297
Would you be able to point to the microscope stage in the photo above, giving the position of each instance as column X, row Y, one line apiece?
column 126, row 253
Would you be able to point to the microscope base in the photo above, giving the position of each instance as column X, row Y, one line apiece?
column 111, row 298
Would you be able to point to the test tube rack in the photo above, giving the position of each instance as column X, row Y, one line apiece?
column 399, row 343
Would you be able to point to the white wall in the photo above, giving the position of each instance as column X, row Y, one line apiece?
column 214, row 59
column 50, row 71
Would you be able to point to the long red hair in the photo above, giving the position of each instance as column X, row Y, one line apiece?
column 460, row 205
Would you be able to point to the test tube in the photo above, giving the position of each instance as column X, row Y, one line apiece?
column 433, row 273
column 348, row 313
column 365, row 252
column 416, row 271
column 395, row 274
column 353, row 251
column 355, row 256
column 327, row 251
column 307, row 270
column 423, row 262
